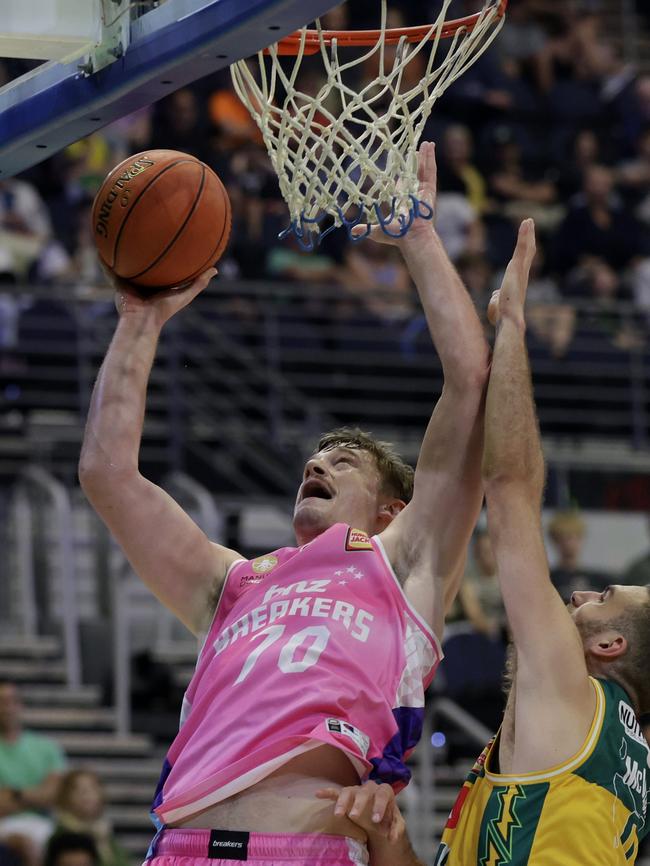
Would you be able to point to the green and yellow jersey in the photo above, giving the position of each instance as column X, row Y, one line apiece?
column 591, row 810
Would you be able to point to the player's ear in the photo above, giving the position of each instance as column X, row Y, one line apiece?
column 389, row 510
column 608, row 646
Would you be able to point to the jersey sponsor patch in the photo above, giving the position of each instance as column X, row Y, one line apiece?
column 228, row 845
column 250, row 579
column 628, row 719
column 264, row 564
column 338, row 726
column 357, row 540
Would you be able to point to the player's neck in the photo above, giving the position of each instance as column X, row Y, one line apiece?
column 603, row 672
column 308, row 530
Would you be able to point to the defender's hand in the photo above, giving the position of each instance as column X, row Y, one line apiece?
column 508, row 301
column 371, row 806
column 161, row 306
column 428, row 179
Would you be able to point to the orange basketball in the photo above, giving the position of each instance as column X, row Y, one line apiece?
column 160, row 219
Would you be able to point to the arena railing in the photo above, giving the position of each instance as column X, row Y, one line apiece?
column 37, row 487
column 249, row 375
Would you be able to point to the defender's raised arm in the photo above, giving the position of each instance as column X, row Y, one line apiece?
column 551, row 669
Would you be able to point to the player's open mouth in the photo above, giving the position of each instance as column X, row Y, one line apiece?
column 315, row 488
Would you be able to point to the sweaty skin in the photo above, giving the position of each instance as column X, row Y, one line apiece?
column 287, row 798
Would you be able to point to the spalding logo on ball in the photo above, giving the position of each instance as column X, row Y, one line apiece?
column 160, row 219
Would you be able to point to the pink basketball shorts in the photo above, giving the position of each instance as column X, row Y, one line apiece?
column 227, row 847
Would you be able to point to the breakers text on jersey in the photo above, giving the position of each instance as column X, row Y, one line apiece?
column 355, row 619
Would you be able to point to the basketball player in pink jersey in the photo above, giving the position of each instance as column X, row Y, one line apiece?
column 314, row 658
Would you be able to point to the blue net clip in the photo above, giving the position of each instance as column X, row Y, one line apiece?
column 307, row 231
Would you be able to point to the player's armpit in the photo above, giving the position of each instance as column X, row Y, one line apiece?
column 427, row 542
column 165, row 547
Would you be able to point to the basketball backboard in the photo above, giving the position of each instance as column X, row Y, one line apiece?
column 169, row 46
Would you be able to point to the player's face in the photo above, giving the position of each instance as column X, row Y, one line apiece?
column 591, row 609
column 10, row 706
column 340, row 485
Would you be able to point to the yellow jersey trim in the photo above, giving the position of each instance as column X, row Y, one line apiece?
column 573, row 763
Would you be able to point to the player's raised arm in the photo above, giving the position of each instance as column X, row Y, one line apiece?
column 550, row 657
column 163, row 544
column 428, row 541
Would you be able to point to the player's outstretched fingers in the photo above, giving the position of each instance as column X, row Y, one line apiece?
column 376, row 233
column 362, row 801
column 344, row 801
column 382, row 803
column 493, row 308
column 328, row 793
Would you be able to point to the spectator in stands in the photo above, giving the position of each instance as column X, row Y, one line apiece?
column 597, row 225
column 638, row 571
column 30, row 772
column 24, row 225
column 607, row 316
column 71, row 849
column 584, row 151
column 378, row 275
column 480, row 595
column 567, row 531
column 522, row 38
column 458, row 225
column 456, row 170
column 633, row 176
column 290, row 262
column 80, row 808
column 518, row 188
column 178, row 123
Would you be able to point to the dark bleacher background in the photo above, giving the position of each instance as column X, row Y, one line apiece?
column 553, row 122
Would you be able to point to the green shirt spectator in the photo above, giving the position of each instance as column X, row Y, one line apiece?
column 30, row 773
column 25, row 762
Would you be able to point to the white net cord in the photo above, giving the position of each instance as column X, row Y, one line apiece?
column 347, row 156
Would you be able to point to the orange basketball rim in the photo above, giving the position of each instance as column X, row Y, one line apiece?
column 313, row 39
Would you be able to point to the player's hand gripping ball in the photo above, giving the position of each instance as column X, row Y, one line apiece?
column 160, row 219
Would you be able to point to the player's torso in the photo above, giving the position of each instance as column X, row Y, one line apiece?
column 309, row 647
column 591, row 811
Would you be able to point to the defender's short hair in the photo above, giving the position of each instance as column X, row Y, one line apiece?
column 396, row 475
column 633, row 667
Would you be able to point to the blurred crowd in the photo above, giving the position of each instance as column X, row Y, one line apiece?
column 550, row 122
column 50, row 815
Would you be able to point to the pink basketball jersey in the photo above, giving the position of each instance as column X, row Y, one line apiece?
column 308, row 645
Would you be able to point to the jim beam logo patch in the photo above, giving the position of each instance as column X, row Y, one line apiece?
column 264, row 564
column 357, row 540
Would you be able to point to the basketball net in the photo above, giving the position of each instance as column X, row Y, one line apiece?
column 346, row 156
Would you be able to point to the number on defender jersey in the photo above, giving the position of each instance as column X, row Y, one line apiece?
column 287, row 663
